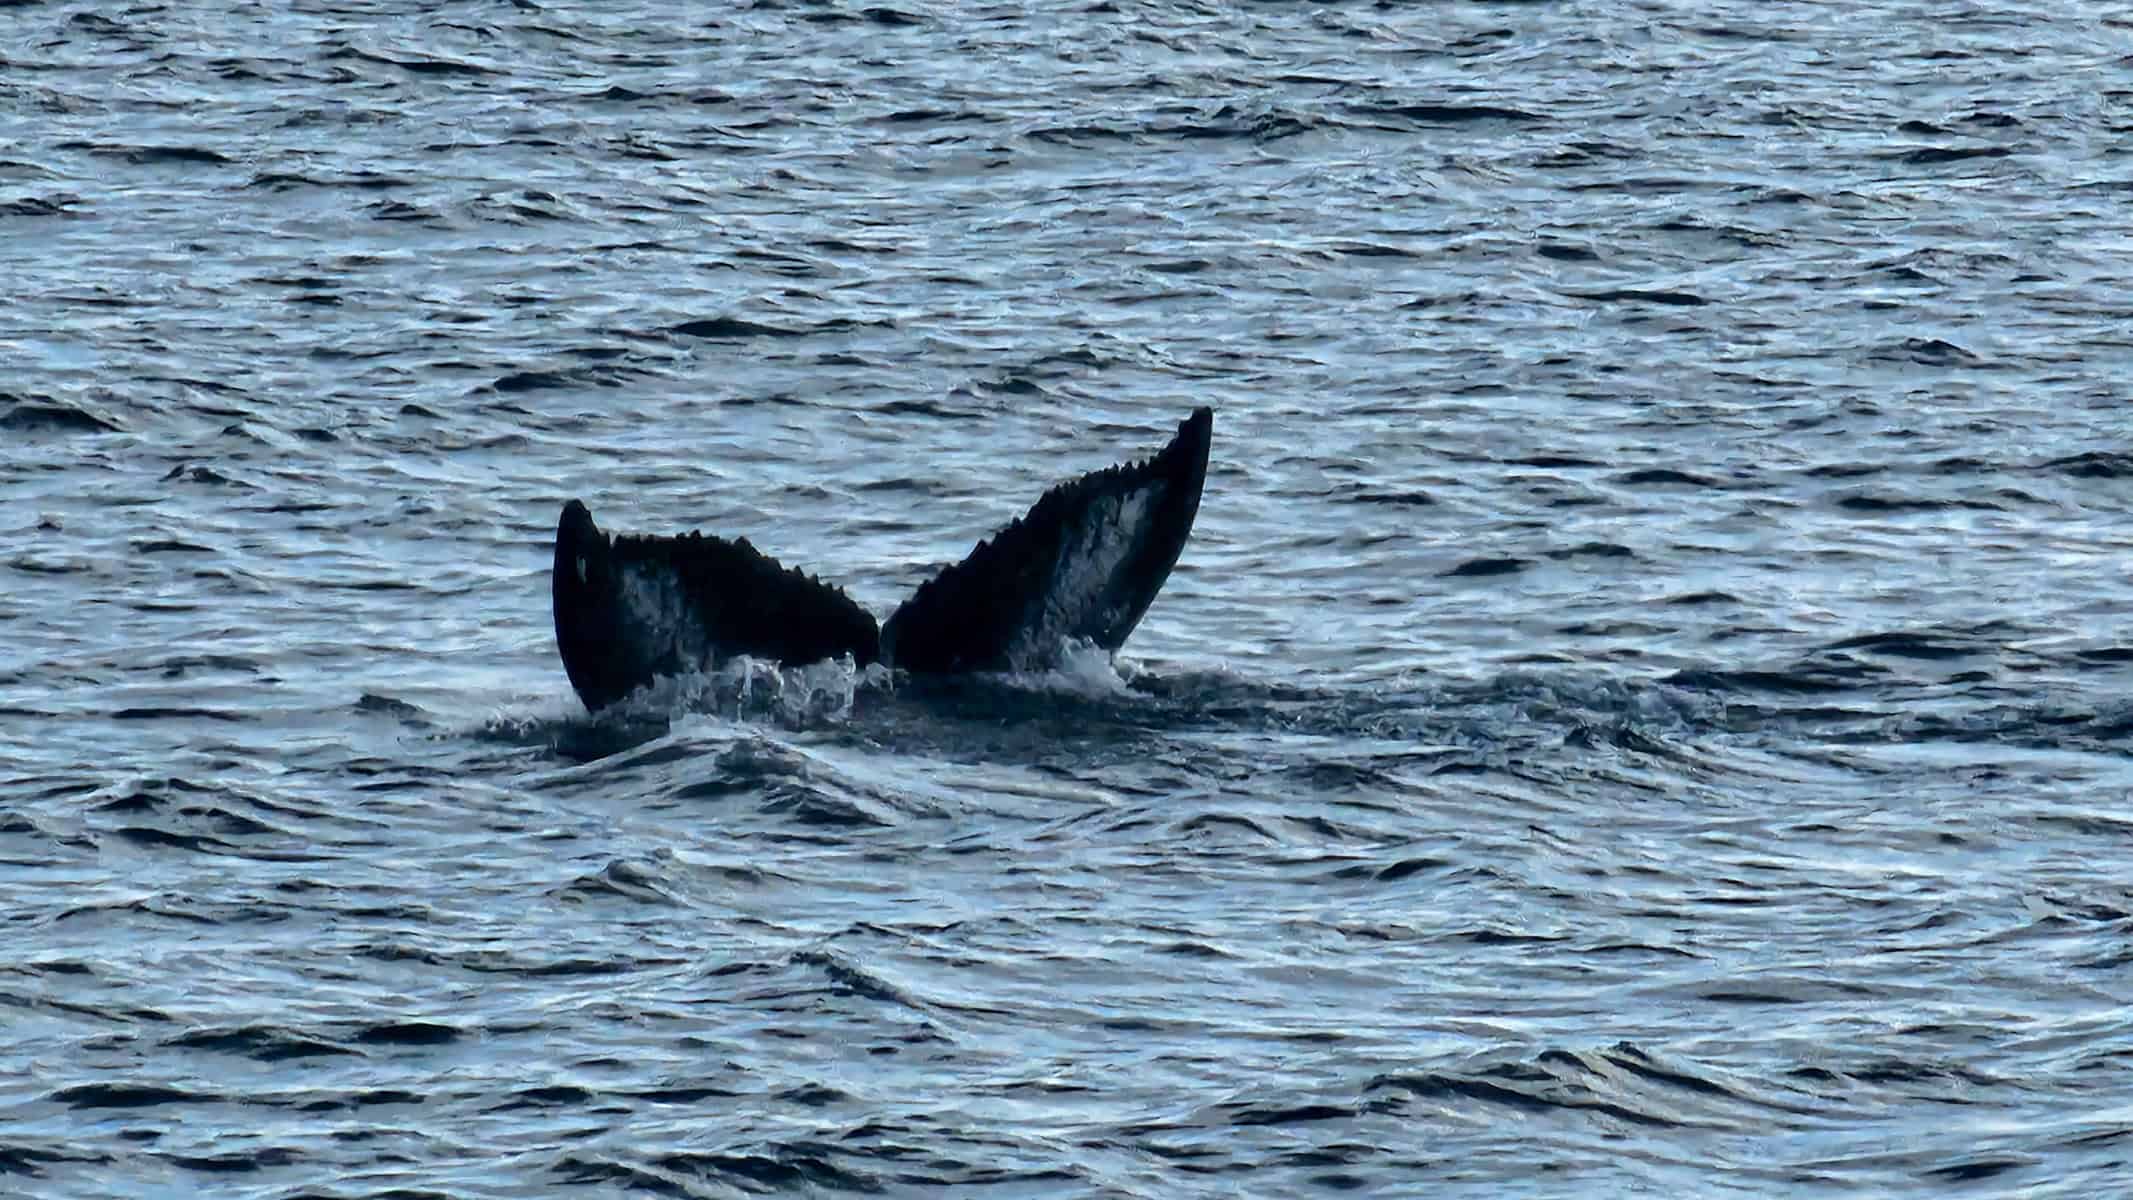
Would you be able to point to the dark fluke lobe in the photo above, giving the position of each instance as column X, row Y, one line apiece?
column 1085, row 563
column 631, row 608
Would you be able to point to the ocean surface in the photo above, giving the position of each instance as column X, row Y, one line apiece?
column 1644, row 709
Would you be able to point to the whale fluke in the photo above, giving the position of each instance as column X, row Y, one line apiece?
column 1084, row 563
column 631, row 608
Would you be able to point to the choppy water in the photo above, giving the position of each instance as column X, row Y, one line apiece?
column 1644, row 707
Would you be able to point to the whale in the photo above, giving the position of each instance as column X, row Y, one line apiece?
column 1081, row 566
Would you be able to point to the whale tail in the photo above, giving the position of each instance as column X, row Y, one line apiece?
column 1083, row 564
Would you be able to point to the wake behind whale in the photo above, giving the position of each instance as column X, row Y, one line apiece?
column 1083, row 564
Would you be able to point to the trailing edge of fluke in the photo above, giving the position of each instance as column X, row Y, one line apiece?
column 1083, row 564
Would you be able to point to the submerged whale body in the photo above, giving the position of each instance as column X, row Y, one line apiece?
column 1083, row 564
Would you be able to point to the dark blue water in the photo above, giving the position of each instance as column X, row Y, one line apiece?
column 1643, row 710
